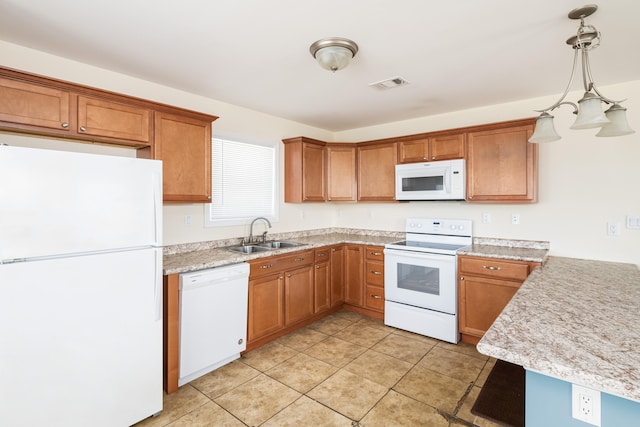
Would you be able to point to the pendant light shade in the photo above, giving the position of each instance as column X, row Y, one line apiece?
column 333, row 53
column 618, row 124
column 545, row 131
column 589, row 108
column 590, row 114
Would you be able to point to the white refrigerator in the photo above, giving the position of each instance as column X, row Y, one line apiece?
column 80, row 288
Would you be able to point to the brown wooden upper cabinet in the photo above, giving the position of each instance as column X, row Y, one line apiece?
column 99, row 117
column 502, row 166
column 31, row 105
column 304, row 170
column 184, row 146
column 341, row 173
column 180, row 138
column 377, row 171
column 429, row 148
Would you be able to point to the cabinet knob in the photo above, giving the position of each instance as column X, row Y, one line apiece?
column 83, row 129
column 461, row 277
column 376, row 253
column 433, row 157
column 266, row 266
column 299, row 259
column 492, row 268
column 289, row 275
column 333, row 249
column 317, row 267
column 376, row 272
column 375, row 296
column 322, row 254
column 65, row 125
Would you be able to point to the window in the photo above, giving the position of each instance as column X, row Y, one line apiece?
column 244, row 184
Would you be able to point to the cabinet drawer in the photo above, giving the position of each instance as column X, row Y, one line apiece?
column 375, row 298
column 322, row 255
column 262, row 266
column 375, row 253
column 491, row 267
column 374, row 273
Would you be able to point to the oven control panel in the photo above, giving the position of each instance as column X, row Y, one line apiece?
column 453, row 227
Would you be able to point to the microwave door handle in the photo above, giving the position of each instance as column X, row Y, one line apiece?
column 447, row 181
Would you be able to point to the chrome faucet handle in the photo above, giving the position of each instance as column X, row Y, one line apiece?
column 264, row 237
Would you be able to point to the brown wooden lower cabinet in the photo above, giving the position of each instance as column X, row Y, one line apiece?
column 337, row 275
column 266, row 301
column 299, row 302
column 353, row 283
column 298, row 295
column 322, row 280
column 485, row 287
column 364, row 280
column 170, row 332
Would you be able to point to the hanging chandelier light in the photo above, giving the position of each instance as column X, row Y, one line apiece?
column 589, row 112
column 333, row 53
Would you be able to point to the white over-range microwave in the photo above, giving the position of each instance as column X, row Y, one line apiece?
column 439, row 180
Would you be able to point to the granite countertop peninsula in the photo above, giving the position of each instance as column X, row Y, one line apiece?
column 198, row 256
column 575, row 320
column 517, row 250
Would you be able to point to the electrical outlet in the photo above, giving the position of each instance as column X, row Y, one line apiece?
column 188, row 219
column 613, row 229
column 585, row 405
column 633, row 222
column 515, row 219
column 486, row 218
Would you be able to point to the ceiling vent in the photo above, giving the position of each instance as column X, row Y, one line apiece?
column 390, row 83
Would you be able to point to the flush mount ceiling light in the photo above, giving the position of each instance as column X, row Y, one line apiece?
column 613, row 122
column 333, row 53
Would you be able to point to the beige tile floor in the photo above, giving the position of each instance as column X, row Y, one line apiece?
column 344, row 370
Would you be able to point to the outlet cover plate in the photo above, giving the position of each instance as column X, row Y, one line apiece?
column 585, row 405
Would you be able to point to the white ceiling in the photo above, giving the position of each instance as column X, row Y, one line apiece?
column 456, row 54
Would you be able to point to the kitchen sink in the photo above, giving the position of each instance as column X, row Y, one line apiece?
column 277, row 244
column 247, row 249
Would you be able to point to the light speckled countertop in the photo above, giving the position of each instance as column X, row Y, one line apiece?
column 575, row 320
column 518, row 250
column 198, row 256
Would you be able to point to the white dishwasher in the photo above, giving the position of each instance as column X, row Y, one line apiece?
column 213, row 319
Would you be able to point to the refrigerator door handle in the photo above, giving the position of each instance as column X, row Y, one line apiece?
column 157, row 208
column 158, row 279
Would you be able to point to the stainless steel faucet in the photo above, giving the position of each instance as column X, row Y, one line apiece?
column 264, row 235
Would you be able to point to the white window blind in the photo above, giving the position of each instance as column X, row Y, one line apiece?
column 243, row 182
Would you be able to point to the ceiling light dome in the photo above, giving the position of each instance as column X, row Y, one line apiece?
column 333, row 53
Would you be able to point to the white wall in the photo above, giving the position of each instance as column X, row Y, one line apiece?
column 584, row 181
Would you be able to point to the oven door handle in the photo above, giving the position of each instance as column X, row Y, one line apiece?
column 418, row 255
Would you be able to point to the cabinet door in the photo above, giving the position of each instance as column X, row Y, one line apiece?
column 377, row 172
column 413, row 151
column 313, row 173
column 184, row 146
column 446, row 147
column 321, row 287
column 266, row 313
column 341, row 173
column 113, row 120
column 337, row 275
column 298, row 295
column 481, row 301
column 502, row 166
column 29, row 104
column 354, row 283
